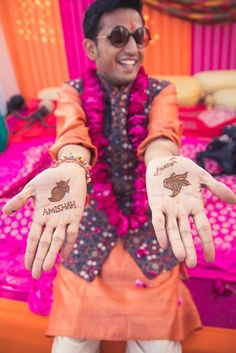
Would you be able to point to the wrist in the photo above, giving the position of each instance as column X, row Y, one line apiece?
column 75, row 150
column 161, row 148
column 76, row 159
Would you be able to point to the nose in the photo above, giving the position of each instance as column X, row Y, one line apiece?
column 131, row 46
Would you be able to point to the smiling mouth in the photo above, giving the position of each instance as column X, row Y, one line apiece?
column 128, row 63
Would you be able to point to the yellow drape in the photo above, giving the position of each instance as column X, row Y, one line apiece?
column 169, row 53
column 34, row 36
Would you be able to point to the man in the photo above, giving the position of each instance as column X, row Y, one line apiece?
column 116, row 281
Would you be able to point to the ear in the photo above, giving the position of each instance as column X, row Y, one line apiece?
column 90, row 48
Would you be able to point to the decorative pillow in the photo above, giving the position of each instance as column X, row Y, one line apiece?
column 189, row 89
column 50, row 93
column 216, row 80
column 223, row 98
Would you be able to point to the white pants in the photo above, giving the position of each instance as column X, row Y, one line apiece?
column 71, row 345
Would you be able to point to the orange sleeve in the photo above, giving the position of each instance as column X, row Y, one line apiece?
column 163, row 119
column 71, row 123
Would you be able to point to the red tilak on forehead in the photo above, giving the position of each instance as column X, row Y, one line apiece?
column 132, row 25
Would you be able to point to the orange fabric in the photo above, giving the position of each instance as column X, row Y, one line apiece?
column 23, row 332
column 170, row 51
column 163, row 118
column 112, row 308
column 34, row 37
column 71, row 121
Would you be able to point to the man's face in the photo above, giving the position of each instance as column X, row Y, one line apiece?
column 119, row 66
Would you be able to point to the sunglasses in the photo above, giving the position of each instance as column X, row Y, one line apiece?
column 120, row 35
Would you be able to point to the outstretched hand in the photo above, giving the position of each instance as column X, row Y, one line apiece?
column 174, row 187
column 59, row 194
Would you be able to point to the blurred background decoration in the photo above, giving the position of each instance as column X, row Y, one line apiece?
column 201, row 11
column 45, row 40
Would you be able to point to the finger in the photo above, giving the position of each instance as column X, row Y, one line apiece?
column 42, row 251
column 32, row 244
column 174, row 237
column 187, row 239
column 158, row 221
column 71, row 236
column 58, row 239
column 204, row 230
column 218, row 189
column 18, row 200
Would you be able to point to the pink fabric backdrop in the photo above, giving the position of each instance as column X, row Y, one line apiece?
column 213, row 47
column 72, row 12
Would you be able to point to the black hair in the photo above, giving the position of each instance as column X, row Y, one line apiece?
column 98, row 8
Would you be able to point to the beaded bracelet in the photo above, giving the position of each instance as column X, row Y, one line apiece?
column 78, row 159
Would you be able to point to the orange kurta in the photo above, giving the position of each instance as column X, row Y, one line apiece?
column 112, row 307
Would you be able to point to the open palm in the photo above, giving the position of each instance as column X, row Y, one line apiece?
column 59, row 195
column 174, row 187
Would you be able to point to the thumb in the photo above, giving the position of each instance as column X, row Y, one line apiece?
column 18, row 200
column 218, row 188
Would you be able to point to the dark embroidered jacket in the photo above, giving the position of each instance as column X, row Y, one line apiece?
column 96, row 236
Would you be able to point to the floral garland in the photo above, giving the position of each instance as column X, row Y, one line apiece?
column 93, row 101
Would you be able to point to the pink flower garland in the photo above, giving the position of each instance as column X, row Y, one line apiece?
column 93, row 100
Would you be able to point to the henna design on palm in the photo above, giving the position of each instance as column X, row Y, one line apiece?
column 175, row 183
column 59, row 191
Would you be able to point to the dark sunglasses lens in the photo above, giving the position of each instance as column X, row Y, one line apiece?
column 119, row 36
column 142, row 37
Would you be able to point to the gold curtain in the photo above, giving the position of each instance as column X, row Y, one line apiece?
column 34, row 36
